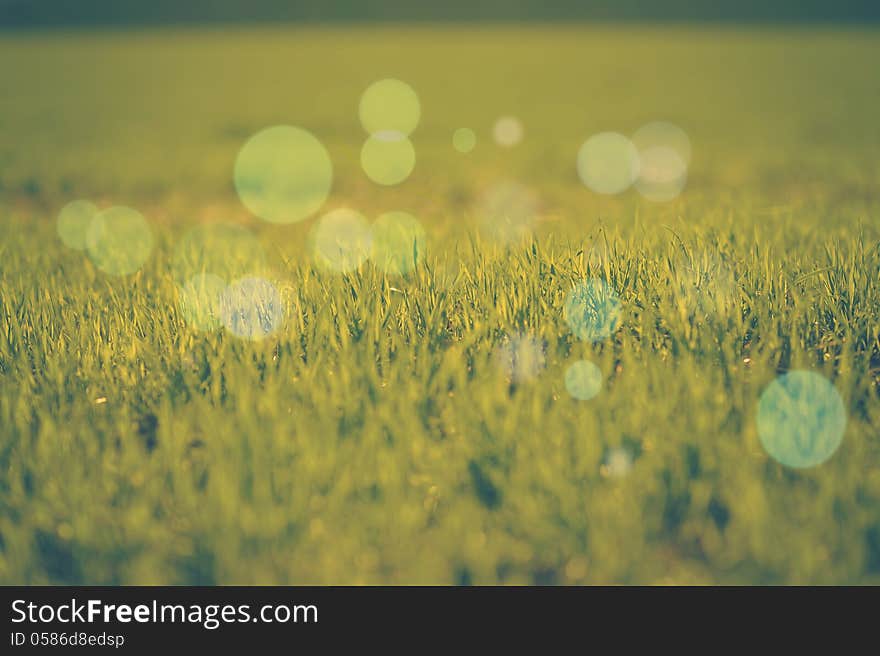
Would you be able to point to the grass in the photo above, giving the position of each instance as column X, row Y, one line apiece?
column 375, row 438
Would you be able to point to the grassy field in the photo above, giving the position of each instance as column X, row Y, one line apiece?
column 377, row 436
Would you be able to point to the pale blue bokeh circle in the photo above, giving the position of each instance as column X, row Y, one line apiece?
column 583, row 380
column 521, row 358
column 592, row 310
column 801, row 419
column 251, row 308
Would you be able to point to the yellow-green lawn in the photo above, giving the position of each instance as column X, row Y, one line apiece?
column 376, row 436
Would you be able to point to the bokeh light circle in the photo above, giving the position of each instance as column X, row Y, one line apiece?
column 341, row 240
column 583, row 380
column 662, row 173
column 283, row 174
column 665, row 135
column 225, row 250
column 388, row 158
column 608, row 163
column 801, row 419
column 73, row 223
column 251, row 308
column 704, row 285
column 664, row 156
column 592, row 310
column 389, row 105
column 508, row 131
column 618, row 463
column 464, row 140
column 200, row 300
column 507, row 212
column 398, row 242
column 520, row 358
column 119, row 240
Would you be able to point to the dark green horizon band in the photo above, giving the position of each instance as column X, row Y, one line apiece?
column 63, row 13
